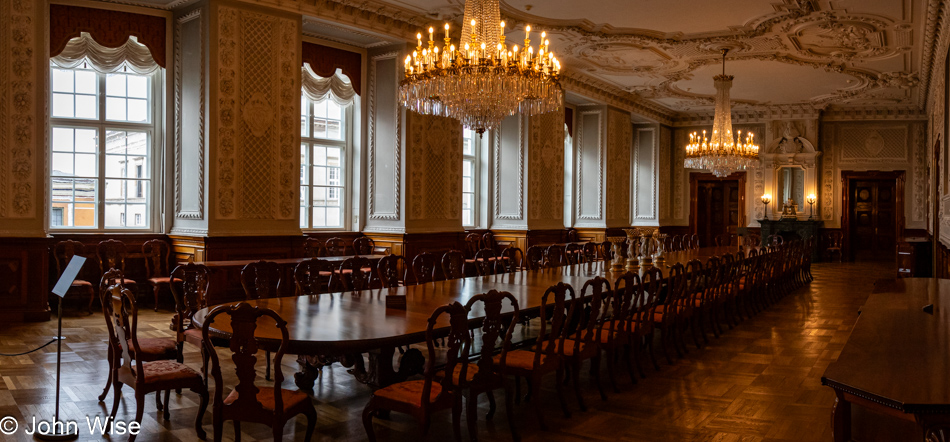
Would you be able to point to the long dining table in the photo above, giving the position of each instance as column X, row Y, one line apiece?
column 340, row 327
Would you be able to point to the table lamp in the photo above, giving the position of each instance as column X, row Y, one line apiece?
column 766, row 199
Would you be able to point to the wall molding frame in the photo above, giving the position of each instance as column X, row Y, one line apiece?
column 600, row 166
column 497, row 172
column 636, row 175
column 397, row 168
column 179, row 212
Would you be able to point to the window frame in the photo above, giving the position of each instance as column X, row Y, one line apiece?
column 154, row 133
column 476, row 143
column 306, row 178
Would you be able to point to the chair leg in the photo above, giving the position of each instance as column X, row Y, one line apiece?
column 158, row 401
column 471, row 411
column 576, row 379
column 510, row 411
column 609, row 354
column 491, row 405
column 368, row 412
column 167, row 415
column 109, row 380
column 116, row 396
column 202, row 407
column 155, row 289
column 139, row 410
column 560, row 392
column 652, row 350
column 311, row 414
column 237, row 431
column 595, row 375
column 278, row 430
column 92, row 298
column 217, row 426
column 267, row 366
column 535, row 385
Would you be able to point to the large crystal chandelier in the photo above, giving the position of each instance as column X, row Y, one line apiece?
column 481, row 81
column 720, row 154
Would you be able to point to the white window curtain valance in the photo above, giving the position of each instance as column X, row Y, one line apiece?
column 334, row 88
column 84, row 49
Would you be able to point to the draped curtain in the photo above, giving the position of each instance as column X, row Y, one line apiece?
column 324, row 61
column 334, row 87
column 85, row 49
column 108, row 29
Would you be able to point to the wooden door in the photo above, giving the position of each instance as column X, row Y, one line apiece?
column 717, row 209
column 873, row 219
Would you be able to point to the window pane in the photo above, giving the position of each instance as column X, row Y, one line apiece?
column 303, row 217
column 467, row 184
column 334, row 217
column 304, row 104
column 63, row 164
column 63, row 105
column 138, row 86
column 319, row 217
column 334, row 155
column 319, row 156
column 86, row 82
column 115, row 85
column 320, row 176
column 86, row 165
column 138, row 111
column 115, row 109
column 334, row 111
column 319, row 128
column 63, row 81
column 86, row 140
column 334, row 131
column 62, row 139
column 87, row 107
column 115, row 215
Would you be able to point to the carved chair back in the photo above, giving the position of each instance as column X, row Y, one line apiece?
column 534, row 259
column 605, row 250
column 493, row 327
column 392, row 270
column 453, row 262
column 64, row 251
column 121, row 317
column 512, row 259
column 364, row 245
column 156, row 253
column 570, row 235
column 554, row 256
column 313, row 247
column 457, row 348
column 694, row 242
column 652, row 284
column 484, row 262
column 590, row 252
column 423, row 268
column 596, row 292
column 260, row 280
column 558, row 302
column 314, row 277
column 574, row 253
column 473, row 243
column 335, row 247
column 244, row 347
column 623, row 304
column 488, row 241
column 190, row 291
column 776, row 240
column 835, row 238
column 352, row 274
column 111, row 254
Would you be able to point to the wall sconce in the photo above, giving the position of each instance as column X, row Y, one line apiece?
column 766, row 199
column 811, row 199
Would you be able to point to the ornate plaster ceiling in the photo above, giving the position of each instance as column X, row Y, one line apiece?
column 811, row 53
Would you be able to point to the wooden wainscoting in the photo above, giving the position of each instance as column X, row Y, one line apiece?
column 24, row 279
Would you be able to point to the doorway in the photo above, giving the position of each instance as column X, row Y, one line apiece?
column 715, row 205
column 873, row 221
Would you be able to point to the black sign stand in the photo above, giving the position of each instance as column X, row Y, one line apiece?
column 60, row 430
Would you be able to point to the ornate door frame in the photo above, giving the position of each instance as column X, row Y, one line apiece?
column 847, row 176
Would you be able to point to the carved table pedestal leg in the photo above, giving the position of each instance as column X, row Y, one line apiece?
column 841, row 418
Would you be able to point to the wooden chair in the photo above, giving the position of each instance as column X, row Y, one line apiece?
column 534, row 259
column 423, row 268
column 485, row 376
column 694, row 242
column 570, row 235
column 271, row 405
column 190, row 291
column 356, row 274
column 726, row 239
column 488, row 242
column 548, row 353
column 313, row 247
column 645, row 310
column 144, row 376
column 392, row 270
column 776, row 240
column 111, row 254
column 574, row 253
column 315, row 277
column 260, row 280
column 694, row 299
column 364, row 245
column 834, row 240
column 584, row 343
column 335, row 247
column 668, row 315
column 156, row 253
column 621, row 327
column 484, row 262
column 554, row 256
column 753, row 240
column 473, row 243
column 152, row 349
column 420, row 398
column 453, row 263
column 605, row 250
column 64, row 251
column 512, row 259
column 668, row 243
column 590, row 252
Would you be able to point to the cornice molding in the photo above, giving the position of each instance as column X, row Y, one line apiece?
column 936, row 26
column 590, row 87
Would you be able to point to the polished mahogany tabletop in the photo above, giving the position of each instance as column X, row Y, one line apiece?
column 284, row 261
column 898, row 355
column 351, row 322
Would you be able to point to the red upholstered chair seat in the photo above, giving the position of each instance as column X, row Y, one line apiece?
column 469, row 374
column 569, row 347
column 167, row 370
column 80, row 283
column 409, row 392
column 521, row 359
column 265, row 395
column 162, row 280
column 156, row 348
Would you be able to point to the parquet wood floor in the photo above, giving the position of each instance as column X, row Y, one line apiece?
column 758, row 382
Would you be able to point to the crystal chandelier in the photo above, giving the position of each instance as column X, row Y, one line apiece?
column 481, row 81
column 720, row 154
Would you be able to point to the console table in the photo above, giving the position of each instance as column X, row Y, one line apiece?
column 791, row 229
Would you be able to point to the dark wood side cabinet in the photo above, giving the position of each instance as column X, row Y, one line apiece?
column 791, row 230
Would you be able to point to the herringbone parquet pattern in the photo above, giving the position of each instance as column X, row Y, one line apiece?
column 758, row 382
